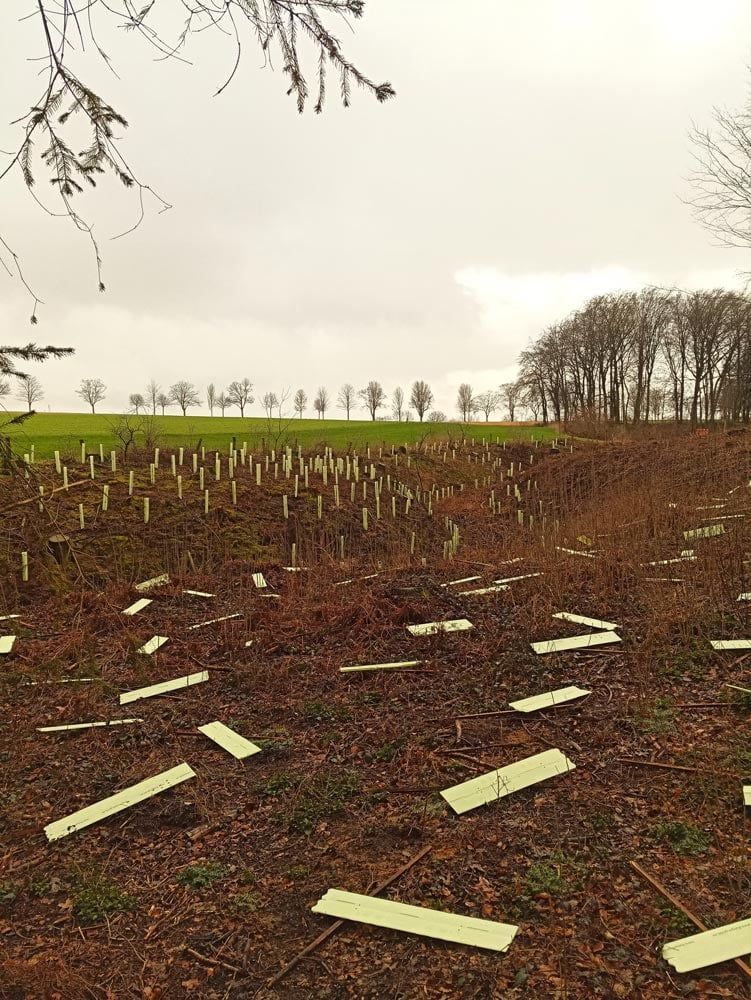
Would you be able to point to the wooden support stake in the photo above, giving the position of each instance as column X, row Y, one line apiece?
column 374, row 891
column 25, row 566
column 666, row 894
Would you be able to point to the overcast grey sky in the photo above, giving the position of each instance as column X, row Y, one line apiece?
column 536, row 154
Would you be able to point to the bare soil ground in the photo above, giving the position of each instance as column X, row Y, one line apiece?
column 205, row 891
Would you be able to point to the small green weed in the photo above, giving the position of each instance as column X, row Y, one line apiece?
column 322, row 798
column 96, row 897
column 677, row 922
column 246, row 902
column 602, row 820
column 319, row 711
column 276, row 786
column 298, row 871
column 545, row 877
column 8, row 892
column 384, row 753
column 660, row 718
column 684, row 838
column 202, row 875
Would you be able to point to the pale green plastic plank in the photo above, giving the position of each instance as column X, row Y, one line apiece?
column 566, row 616
column 709, row 947
column 736, row 688
column 745, row 597
column 471, row 931
column 464, row 579
column 214, row 621
column 63, row 680
column 154, row 643
column 512, row 778
column 155, row 581
column 708, row 531
column 548, row 700
column 176, row 684
column 747, row 795
column 513, row 579
column 496, row 588
column 116, row 803
column 433, row 628
column 380, row 666
column 229, row 740
column 6, row 643
column 669, row 562
column 5, row 618
column 139, row 605
column 198, row 593
column 576, row 552
column 84, row 725
column 575, row 642
column 731, row 643
column 341, row 583
column 259, row 580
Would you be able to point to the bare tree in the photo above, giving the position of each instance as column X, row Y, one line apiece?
column 722, row 176
column 152, row 395
column 488, row 402
column 239, row 394
column 270, row 402
column 346, row 398
column 29, row 390
column 511, row 396
column 4, row 387
column 465, row 401
column 211, row 397
column 301, row 401
column 321, row 402
column 421, row 398
column 68, row 102
column 184, row 394
column 92, row 391
column 223, row 401
column 397, row 403
column 373, row 397
column 137, row 402
column 126, row 429
column 437, row 417
column 163, row 401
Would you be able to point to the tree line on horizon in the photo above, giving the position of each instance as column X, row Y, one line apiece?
column 629, row 357
column 372, row 397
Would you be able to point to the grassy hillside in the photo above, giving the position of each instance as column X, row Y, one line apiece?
column 64, row 431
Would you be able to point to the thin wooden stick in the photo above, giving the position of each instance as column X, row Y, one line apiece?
column 212, row 961
column 339, row 923
column 666, row 894
column 677, row 767
column 70, row 486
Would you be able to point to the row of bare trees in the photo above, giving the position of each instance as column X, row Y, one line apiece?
column 632, row 356
column 238, row 394
column 373, row 398
column 185, row 394
column 468, row 404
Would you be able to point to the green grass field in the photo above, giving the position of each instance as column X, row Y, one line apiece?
column 63, row 432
